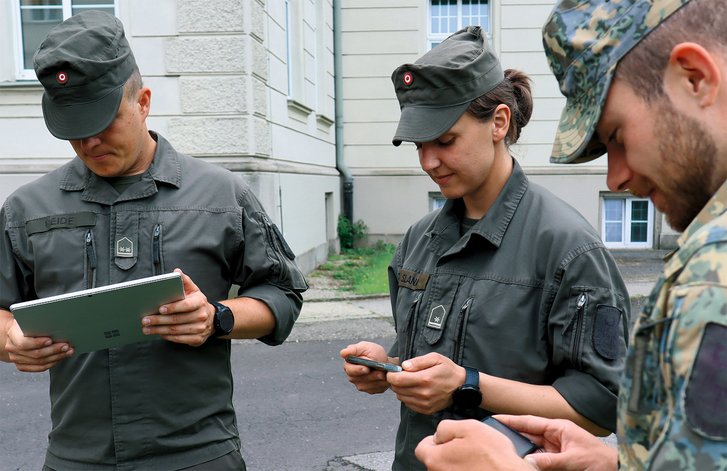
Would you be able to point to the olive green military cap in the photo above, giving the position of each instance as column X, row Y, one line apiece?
column 584, row 41
column 83, row 65
column 437, row 89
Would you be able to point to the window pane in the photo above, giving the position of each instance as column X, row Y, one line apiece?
column 83, row 5
column 613, row 216
column 443, row 16
column 37, row 18
column 476, row 12
column 614, row 231
column 437, row 11
column 436, row 201
column 96, row 3
column 613, row 209
column 639, row 210
column 638, row 231
column 39, row 3
column 75, row 10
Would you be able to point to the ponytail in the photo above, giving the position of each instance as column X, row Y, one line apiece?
column 515, row 92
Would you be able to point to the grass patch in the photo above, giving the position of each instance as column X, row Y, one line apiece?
column 363, row 270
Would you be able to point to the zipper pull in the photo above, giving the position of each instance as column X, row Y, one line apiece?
column 90, row 253
column 156, row 255
column 467, row 304
column 581, row 302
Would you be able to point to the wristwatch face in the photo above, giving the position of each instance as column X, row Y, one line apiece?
column 224, row 319
column 467, row 397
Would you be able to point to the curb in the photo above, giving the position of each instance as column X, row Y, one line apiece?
column 351, row 297
column 357, row 297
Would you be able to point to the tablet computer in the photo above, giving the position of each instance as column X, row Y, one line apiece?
column 98, row 318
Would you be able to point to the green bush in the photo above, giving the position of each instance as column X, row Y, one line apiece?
column 349, row 233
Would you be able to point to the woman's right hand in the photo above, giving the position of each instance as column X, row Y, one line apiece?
column 364, row 378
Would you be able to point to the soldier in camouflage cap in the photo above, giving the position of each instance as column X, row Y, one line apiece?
column 645, row 82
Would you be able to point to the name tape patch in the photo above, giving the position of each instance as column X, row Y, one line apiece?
column 60, row 221
column 413, row 280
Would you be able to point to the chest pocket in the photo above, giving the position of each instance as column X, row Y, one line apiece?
column 67, row 238
column 438, row 314
column 642, row 373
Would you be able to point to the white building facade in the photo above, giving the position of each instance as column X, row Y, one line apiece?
column 246, row 84
column 391, row 191
column 295, row 97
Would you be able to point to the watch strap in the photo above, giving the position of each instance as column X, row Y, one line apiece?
column 472, row 377
column 219, row 307
column 467, row 398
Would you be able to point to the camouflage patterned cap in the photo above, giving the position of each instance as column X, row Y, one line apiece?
column 584, row 40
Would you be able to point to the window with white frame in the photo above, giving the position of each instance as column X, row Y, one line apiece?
column 449, row 16
column 627, row 222
column 34, row 18
column 294, row 45
column 436, row 200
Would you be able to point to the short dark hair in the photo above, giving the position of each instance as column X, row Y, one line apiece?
column 133, row 84
column 514, row 91
column 700, row 21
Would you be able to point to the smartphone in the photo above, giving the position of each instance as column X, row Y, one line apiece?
column 523, row 445
column 377, row 365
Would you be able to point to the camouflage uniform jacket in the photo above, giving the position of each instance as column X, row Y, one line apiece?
column 672, row 408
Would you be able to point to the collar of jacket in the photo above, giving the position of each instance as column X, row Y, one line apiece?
column 165, row 168
column 694, row 236
column 444, row 231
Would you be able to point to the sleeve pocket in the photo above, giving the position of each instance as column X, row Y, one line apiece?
column 607, row 332
column 707, row 386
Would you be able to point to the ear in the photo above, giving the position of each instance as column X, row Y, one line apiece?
column 143, row 100
column 500, row 122
column 692, row 74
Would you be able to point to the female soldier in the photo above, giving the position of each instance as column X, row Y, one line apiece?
column 505, row 300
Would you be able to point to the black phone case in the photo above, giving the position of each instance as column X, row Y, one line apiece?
column 523, row 446
column 377, row 365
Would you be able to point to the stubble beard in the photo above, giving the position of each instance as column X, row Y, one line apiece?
column 688, row 156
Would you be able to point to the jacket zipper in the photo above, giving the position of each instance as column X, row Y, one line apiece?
column 411, row 328
column 580, row 307
column 156, row 249
column 91, row 260
column 458, row 352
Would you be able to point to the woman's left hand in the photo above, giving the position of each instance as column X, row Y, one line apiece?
column 427, row 382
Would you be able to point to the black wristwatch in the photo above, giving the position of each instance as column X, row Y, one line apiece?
column 468, row 396
column 224, row 320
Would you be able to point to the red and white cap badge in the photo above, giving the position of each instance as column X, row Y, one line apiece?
column 62, row 77
column 408, row 79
